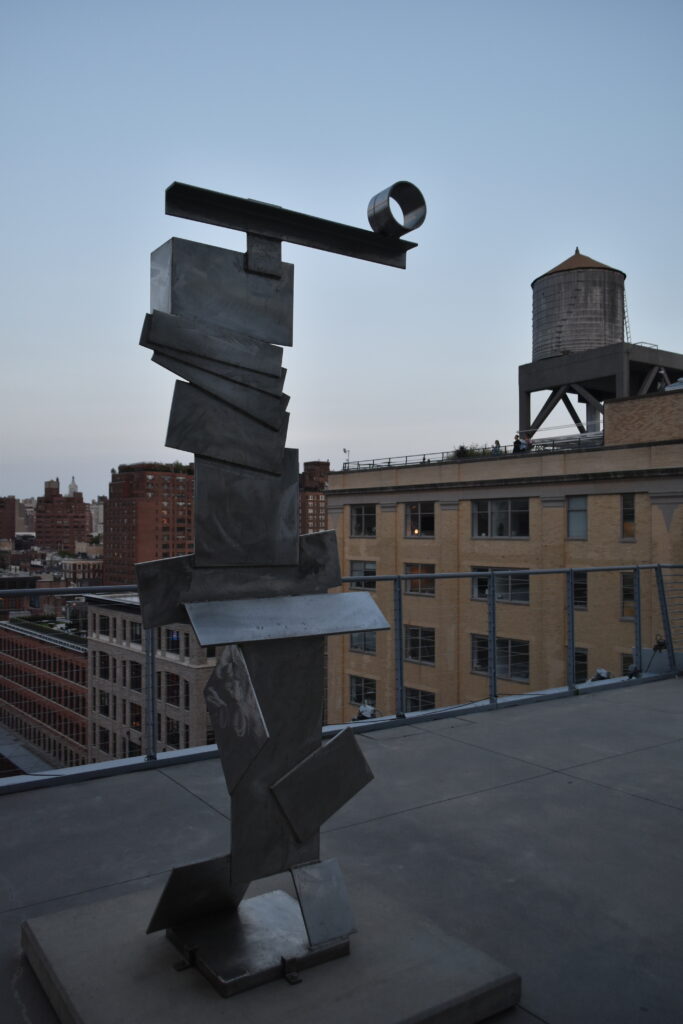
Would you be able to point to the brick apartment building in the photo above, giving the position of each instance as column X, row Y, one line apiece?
column 8, row 517
column 149, row 515
column 43, row 691
column 313, row 497
column 61, row 520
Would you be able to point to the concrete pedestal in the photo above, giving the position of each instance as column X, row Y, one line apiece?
column 97, row 966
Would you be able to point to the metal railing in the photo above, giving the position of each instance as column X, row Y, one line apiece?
column 578, row 442
column 660, row 587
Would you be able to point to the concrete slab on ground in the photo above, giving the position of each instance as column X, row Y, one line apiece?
column 98, row 967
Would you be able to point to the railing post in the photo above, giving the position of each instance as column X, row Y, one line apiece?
column 571, row 664
column 637, row 622
column 493, row 679
column 398, row 648
column 666, row 623
column 150, row 747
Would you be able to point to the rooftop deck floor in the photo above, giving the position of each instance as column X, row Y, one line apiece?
column 549, row 836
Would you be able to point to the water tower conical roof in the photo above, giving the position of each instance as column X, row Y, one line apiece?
column 577, row 262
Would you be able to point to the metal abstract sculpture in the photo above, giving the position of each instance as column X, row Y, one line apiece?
column 218, row 320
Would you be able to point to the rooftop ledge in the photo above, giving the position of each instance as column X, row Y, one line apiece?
column 547, row 834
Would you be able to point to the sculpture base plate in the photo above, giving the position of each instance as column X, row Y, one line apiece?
column 97, row 966
column 262, row 940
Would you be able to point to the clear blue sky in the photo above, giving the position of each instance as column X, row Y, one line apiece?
column 531, row 127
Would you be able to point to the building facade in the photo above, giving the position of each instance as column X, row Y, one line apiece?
column 117, row 684
column 149, row 515
column 61, row 520
column 8, row 517
column 618, row 504
column 313, row 497
column 43, row 691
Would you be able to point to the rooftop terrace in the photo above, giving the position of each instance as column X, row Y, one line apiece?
column 548, row 835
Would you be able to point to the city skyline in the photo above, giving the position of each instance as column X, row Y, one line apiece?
column 529, row 133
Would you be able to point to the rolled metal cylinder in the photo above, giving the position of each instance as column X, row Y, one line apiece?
column 413, row 208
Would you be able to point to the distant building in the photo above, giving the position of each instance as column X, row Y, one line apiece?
column 97, row 515
column 149, row 515
column 116, row 674
column 43, row 691
column 60, row 520
column 8, row 517
column 313, row 497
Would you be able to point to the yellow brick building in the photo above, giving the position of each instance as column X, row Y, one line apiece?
column 617, row 504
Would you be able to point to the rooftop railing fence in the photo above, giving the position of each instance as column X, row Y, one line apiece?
column 539, row 445
column 504, row 662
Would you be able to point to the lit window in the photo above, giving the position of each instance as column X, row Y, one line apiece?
column 420, row 519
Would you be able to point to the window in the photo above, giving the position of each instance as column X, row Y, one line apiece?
column 419, row 586
column 103, row 739
column 186, row 645
column 135, row 675
column 580, row 590
column 577, row 517
column 103, row 704
column 628, row 597
column 420, row 519
column 513, row 587
column 363, row 691
column 172, row 733
column 172, row 641
column 103, row 670
column 135, row 632
column 363, row 521
column 419, row 700
column 104, row 624
column 365, row 643
column 500, row 517
column 172, row 689
column 363, row 569
column 418, row 644
column 135, row 716
column 628, row 517
column 512, row 658
column 580, row 665
column 627, row 664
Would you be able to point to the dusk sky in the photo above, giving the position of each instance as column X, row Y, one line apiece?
column 530, row 127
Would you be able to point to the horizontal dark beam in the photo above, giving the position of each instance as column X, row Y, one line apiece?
column 286, row 225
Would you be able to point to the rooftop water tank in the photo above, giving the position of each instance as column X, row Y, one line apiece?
column 577, row 306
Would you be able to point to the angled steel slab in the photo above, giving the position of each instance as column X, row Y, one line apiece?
column 272, row 618
column 247, row 378
column 210, row 285
column 246, row 518
column 275, row 222
column 235, row 714
column 163, row 330
column 205, row 425
column 320, row 784
column 267, row 409
column 195, row 890
column 161, row 585
column 165, row 583
column 287, row 677
column 324, row 901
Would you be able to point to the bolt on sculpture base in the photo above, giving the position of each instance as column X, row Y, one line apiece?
column 218, row 320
